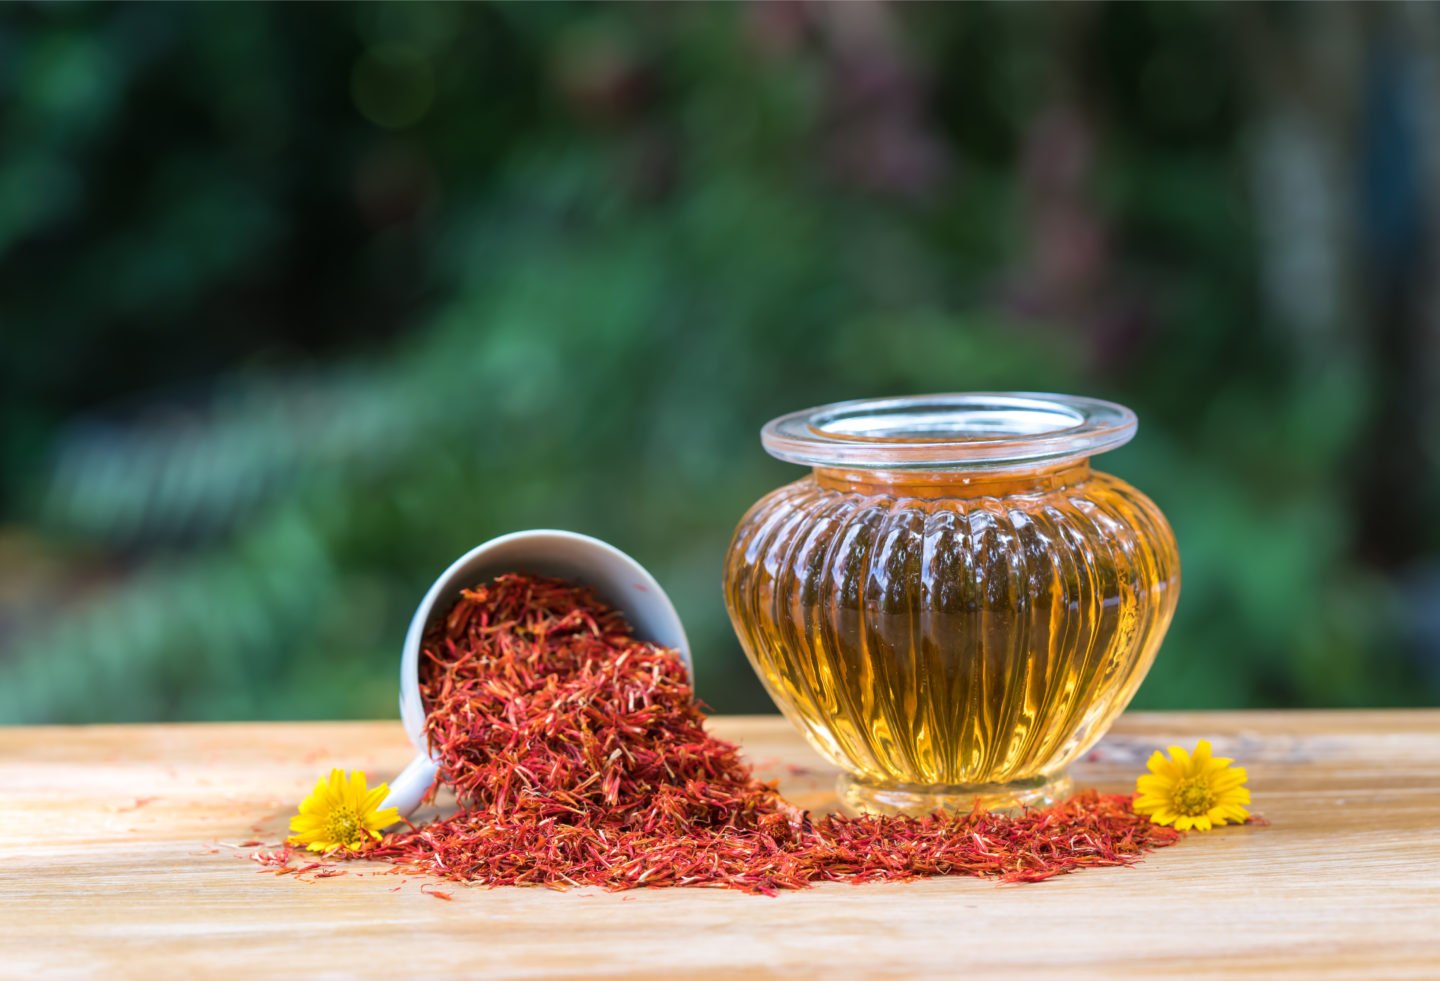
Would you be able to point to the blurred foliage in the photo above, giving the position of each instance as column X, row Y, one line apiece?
column 301, row 302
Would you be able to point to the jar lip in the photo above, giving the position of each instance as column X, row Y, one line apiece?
column 982, row 429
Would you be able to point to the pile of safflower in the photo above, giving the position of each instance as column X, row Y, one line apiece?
column 580, row 758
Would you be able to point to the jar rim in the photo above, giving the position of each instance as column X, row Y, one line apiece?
column 957, row 429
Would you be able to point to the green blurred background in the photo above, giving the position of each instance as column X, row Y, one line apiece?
column 298, row 303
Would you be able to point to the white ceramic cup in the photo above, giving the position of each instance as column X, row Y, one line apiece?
column 616, row 578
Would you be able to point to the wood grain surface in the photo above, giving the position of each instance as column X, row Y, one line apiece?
column 120, row 858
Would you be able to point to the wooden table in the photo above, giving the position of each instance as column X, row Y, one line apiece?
column 119, row 857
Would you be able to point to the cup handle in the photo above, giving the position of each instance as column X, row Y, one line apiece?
column 410, row 785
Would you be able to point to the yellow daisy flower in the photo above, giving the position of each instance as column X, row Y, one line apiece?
column 1192, row 791
column 341, row 812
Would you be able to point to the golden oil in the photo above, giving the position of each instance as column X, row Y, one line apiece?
column 948, row 634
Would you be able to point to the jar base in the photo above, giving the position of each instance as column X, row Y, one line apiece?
column 858, row 796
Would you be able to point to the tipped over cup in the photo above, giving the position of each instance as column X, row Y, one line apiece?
column 615, row 578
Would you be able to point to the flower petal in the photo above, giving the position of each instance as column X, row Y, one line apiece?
column 1235, row 795
column 1181, row 761
column 334, row 788
column 1227, row 780
column 374, row 797
column 1150, row 785
column 1218, row 764
column 1161, row 766
column 379, row 820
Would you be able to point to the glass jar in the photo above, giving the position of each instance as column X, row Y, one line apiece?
column 953, row 605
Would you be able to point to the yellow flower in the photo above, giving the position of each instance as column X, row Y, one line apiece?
column 341, row 812
column 1192, row 791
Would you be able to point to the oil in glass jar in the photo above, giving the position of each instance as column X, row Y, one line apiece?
column 953, row 605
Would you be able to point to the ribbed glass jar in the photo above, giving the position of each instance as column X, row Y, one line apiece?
column 953, row 604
